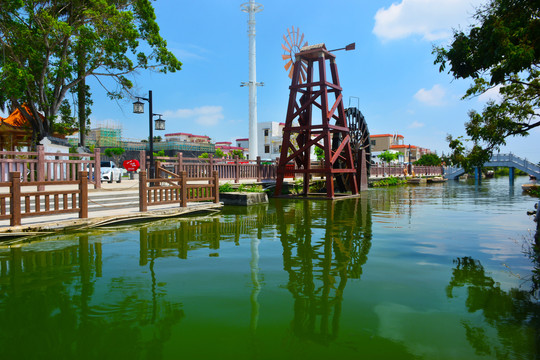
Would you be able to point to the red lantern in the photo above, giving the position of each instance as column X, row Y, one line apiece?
column 131, row 165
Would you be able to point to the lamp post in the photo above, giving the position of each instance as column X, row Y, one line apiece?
column 138, row 108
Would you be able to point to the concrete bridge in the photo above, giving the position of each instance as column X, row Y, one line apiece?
column 499, row 160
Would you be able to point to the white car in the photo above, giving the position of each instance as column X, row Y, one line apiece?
column 110, row 172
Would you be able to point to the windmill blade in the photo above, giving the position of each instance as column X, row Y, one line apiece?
column 287, row 41
column 285, row 48
column 290, row 72
column 288, row 65
column 297, row 36
column 301, row 39
column 290, row 37
column 285, row 57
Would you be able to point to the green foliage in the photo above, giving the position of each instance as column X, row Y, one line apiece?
column 227, row 187
column 388, row 156
column 219, row 153
column 500, row 52
column 204, row 156
column 50, row 47
column 319, row 153
column 238, row 153
column 429, row 160
column 112, row 152
column 390, row 181
column 159, row 153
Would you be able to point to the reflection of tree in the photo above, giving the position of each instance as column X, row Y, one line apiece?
column 49, row 297
column 320, row 267
column 514, row 315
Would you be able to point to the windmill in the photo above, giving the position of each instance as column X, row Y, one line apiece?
column 293, row 44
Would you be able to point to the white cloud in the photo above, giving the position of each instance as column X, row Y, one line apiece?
column 433, row 97
column 430, row 19
column 204, row 115
column 416, row 125
column 491, row 94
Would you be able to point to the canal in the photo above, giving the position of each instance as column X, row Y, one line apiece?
column 414, row 272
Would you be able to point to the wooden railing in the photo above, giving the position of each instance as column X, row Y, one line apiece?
column 38, row 203
column 176, row 189
column 228, row 169
column 42, row 166
column 381, row 170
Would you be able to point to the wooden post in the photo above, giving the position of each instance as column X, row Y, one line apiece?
column 180, row 163
column 142, row 160
column 157, row 170
column 259, row 170
column 216, row 187
column 210, row 165
column 183, row 190
column 143, row 205
column 236, row 169
column 41, row 166
column 15, row 201
column 83, row 194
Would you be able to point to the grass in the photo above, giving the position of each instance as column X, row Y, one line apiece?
column 390, row 181
column 227, row 187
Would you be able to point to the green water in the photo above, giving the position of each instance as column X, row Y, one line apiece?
column 420, row 272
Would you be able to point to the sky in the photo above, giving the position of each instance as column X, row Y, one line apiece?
column 390, row 76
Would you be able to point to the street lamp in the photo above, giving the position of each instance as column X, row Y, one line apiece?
column 138, row 108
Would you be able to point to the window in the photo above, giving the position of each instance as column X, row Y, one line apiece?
column 373, row 142
column 267, row 149
column 266, row 133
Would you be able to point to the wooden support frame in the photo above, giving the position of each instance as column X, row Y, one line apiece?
column 303, row 97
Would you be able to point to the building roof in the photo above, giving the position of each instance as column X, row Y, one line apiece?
column 385, row 135
column 402, row 146
column 246, row 139
column 187, row 134
column 223, row 142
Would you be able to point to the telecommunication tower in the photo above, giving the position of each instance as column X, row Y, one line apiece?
column 252, row 8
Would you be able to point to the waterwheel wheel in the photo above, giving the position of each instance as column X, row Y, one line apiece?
column 360, row 140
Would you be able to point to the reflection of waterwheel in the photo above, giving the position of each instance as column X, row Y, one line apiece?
column 359, row 134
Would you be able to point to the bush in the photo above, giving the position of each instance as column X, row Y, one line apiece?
column 391, row 181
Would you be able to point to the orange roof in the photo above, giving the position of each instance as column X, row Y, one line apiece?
column 385, row 135
column 17, row 120
column 402, row 146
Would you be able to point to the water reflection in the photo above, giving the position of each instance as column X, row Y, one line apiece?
column 513, row 315
column 319, row 263
column 47, row 292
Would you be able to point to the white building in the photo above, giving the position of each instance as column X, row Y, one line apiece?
column 269, row 140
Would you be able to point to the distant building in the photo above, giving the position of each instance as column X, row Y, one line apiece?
column 396, row 143
column 187, row 138
column 228, row 148
column 269, row 139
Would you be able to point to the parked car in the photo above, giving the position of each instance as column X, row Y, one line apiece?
column 110, row 172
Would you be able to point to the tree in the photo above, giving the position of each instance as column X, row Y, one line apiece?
column 238, row 153
column 502, row 52
column 219, row 153
column 51, row 46
column 428, row 160
column 115, row 153
column 388, row 156
column 319, row 152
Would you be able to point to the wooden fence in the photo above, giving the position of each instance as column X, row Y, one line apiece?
column 228, row 169
column 42, row 166
column 176, row 189
column 236, row 169
column 41, row 202
column 380, row 171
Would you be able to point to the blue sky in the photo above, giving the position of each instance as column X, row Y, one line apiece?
column 391, row 71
